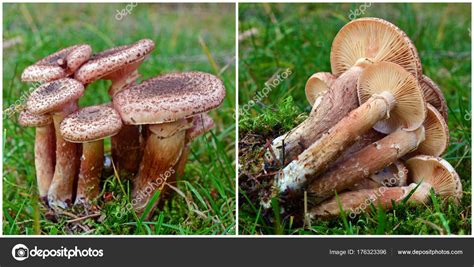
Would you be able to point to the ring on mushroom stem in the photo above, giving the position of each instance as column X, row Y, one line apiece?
column 164, row 104
column 430, row 138
column 59, row 99
column 390, row 99
column 90, row 126
column 357, row 45
column 426, row 173
column 58, row 65
column 45, row 146
column 120, row 65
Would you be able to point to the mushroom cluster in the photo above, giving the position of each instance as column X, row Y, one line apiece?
column 151, row 124
column 375, row 134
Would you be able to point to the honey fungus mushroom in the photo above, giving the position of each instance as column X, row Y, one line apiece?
column 45, row 146
column 162, row 104
column 58, row 65
column 426, row 173
column 59, row 99
column 90, row 126
column 434, row 96
column 358, row 44
column 390, row 99
column 120, row 65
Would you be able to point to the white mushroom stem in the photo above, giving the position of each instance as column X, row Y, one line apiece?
column 364, row 163
column 45, row 158
column 355, row 202
column 92, row 161
column 314, row 160
column 157, row 166
column 339, row 100
column 60, row 193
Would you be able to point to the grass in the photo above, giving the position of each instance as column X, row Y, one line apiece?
column 188, row 37
column 298, row 37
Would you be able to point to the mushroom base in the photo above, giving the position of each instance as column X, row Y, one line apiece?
column 126, row 150
column 92, row 162
column 45, row 158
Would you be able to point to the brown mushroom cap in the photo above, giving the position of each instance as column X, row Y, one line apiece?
column 436, row 134
column 438, row 173
column 409, row 111
column 52, row 96
column 28, row 119
column 91, row 124
column 202, row 123
column 113, row 59
column 317, row 84
column 434, row 96
column 169, row 97
column 376, row 39
column 58, row 65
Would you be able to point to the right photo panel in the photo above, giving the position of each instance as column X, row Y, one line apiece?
column 354, row 119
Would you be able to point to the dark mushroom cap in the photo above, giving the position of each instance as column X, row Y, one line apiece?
column 434, row 96
column 169, row 97
column 58, row 65
column 28, row 119
column 113, row 59
column 375, row 39
column 53, row 96
column 90, row 124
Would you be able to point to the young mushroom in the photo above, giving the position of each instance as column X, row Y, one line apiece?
column 390, row 99
column 58, row 65
column 357, row 45
column 380, row 154
column 90, row 126
column 434, row 96
column 426, row 173
column 163, row 104
column 120, row 65
column 45, row 146
column 59, row 99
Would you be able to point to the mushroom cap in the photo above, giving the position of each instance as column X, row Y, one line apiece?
column 202, row 123
column 409, row 110
column 27, row 119
column 317, row 85
column 169, row 97
column 376, row 39
column 436, row 172
column 165, row 130
column 436, row 134
column 91, row 124
column 434, row 96
column 113, row 59
column 52, row 96
column 58, row 65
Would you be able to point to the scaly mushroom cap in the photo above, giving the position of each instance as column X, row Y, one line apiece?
column 114, row 59
column 409, row 111
column 91, row 124
column 202, row 123
column 317, row 85
column 377, row 40
column 436, row 172
column 169, row 97
column 434, row 96
column 58, row 65
column 27, row 119
column 52, row 96
column 436, row 134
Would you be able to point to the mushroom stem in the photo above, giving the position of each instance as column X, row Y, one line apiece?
column 92, row 160
column 157, row 166
column 126, row 151
column 314, row 160
column 336, row 103
column 60, row 193
column 365, row 162
column 355, row 202
column 44, row 158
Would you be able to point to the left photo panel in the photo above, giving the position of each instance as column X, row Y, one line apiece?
column 118, row 119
